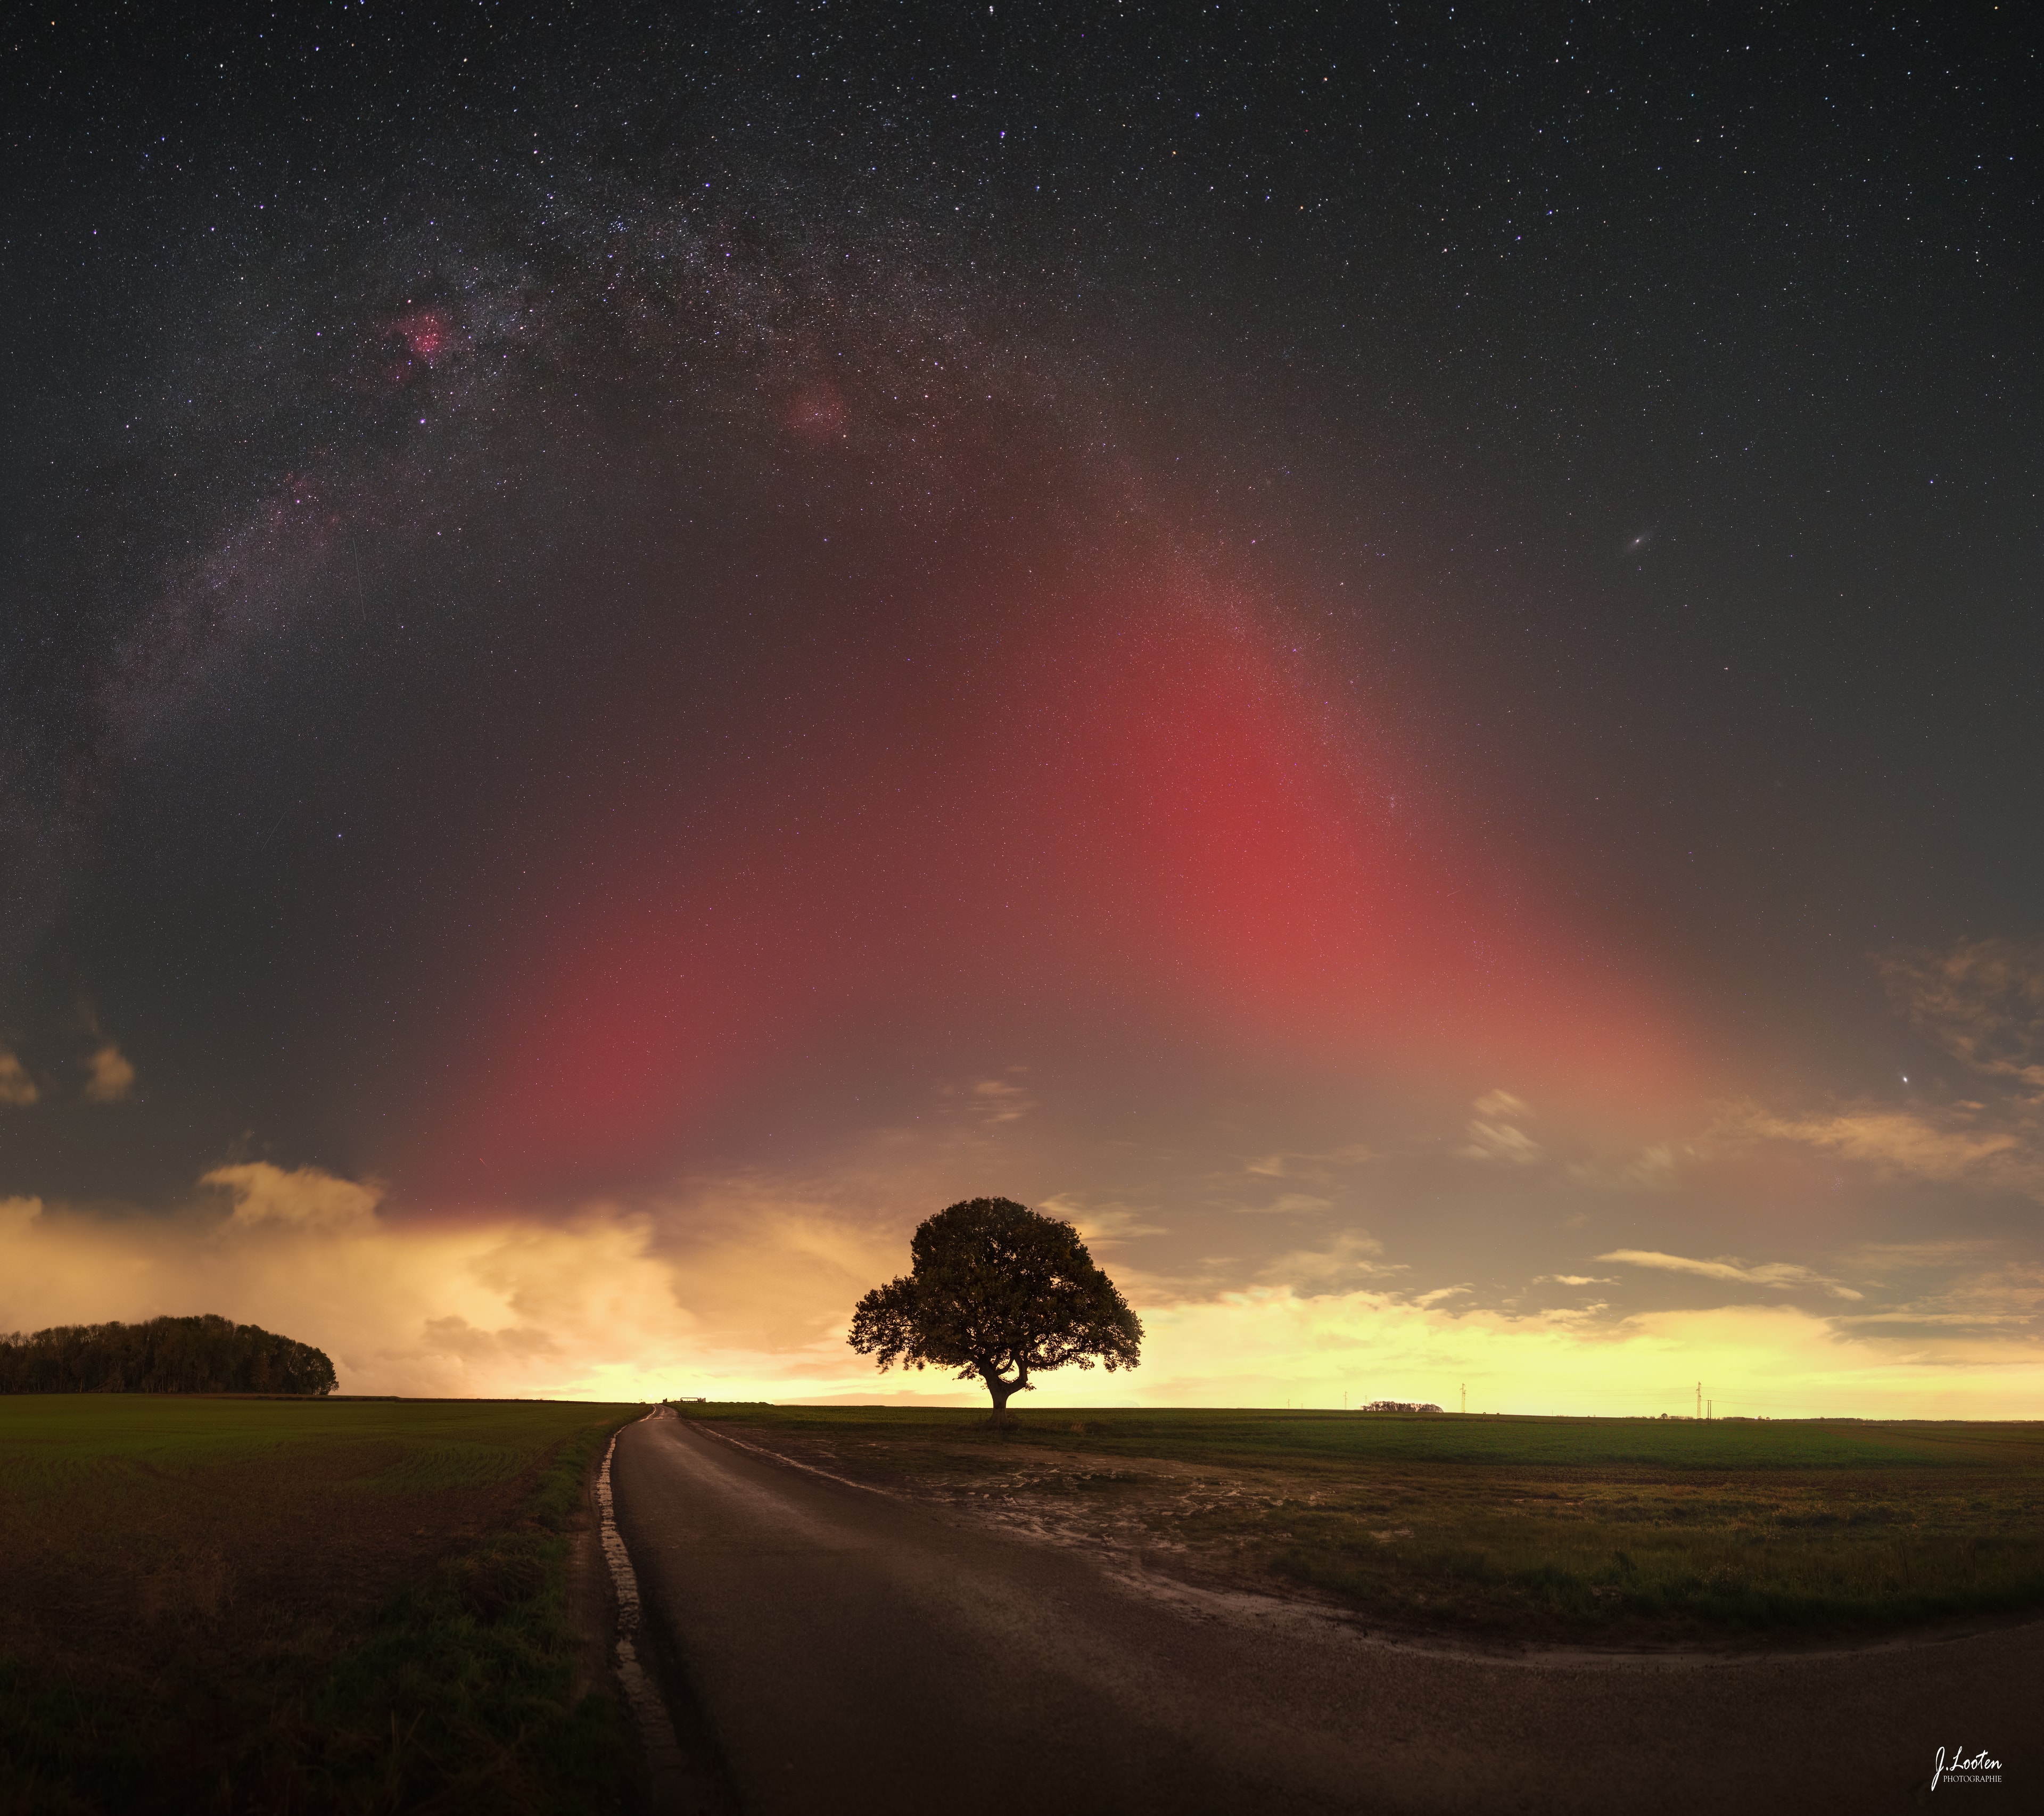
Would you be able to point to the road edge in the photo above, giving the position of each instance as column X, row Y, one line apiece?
column 685, row 1775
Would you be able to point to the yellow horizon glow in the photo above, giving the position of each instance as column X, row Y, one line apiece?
column 591, row 1308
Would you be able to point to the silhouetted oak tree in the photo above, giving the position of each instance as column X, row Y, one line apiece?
column 1001, row 1292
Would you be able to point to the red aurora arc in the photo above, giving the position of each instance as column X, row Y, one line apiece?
column 1133, row 812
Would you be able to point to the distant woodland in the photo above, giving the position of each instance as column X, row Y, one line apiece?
column 204, row 1354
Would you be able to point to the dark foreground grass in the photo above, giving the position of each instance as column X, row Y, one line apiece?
column 1556, row 1529
column 327, row 1607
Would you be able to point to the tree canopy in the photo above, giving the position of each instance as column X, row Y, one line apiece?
column 204, row 1354
column 1001, row 1293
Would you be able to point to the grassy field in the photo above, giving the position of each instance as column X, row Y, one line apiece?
column 1564, row 1529
column 224, row 1604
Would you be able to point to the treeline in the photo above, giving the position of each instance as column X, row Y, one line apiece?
column 204, row 1354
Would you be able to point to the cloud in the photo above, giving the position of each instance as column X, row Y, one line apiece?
column 307, row 1199
column 1650, row 1170
column 1351, row 1255
column 1957, row 1142
column 1319, row 1167
column 991, row 1102
column 112, row 1078
column 17, row 1089
column 1285, row 1204
column 582, row 1308
column 2010, row 1297
column 1982, row 1000
column 1262, row 1347
column 1494, row 1137
column 1501, row 1144
column 1113, row 1223
column 1572, row 1280
column 739, row 1287
column 1780, row 1275
column 454, row 1335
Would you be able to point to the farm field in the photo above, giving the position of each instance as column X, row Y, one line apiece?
column 1498, row 1530
column 239, row 1604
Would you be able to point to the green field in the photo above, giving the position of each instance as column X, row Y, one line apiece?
column 313, row 1605
column 1565, row 1529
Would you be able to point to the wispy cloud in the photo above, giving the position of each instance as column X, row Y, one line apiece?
column 1495, row 1136
column 1780, row 1275
column 1315, row 1167
column 1439, row 1295
column 998, row 1100
column 1982, row 1000
column 2009, row 1297
column 1285, row 1204
column 1572, row 1280
column 1953, row 1142
column 1501, row 1144
column 1351, row 1256
column 1109, row 1222
column 1650, row 1169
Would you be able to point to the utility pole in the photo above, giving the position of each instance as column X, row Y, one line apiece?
column 1465, row 1399
column 1699, row 1399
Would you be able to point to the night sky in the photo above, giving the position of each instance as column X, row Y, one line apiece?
column 1389, row 654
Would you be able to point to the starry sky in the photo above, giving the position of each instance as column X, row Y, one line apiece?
column 1388, row 654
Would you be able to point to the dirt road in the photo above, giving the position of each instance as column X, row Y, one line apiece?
column 851, row 1651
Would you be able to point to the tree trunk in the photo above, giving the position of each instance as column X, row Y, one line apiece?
column 1000, row 1391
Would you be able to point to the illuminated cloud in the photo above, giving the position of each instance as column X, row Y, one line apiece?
column 581, row 1309
column 307, row 1199
column 1107, row 1223
column 1495, row 1136
column 1991, row 1146
column 1982, row 1000
column 1781, row 1276
column 1572, row 1280
column 1349, row 1256
column 1501, row 1144
column 741, row 1287
column 1439, row 1295
column 2010, row 1297
column 17, row 1089
column 997, row 1100
column 111, row 1076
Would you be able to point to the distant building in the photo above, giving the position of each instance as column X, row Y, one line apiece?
column 1399, row 1406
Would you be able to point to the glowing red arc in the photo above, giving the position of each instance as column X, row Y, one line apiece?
column 1135, row 808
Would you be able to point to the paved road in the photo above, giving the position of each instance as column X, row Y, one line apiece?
column 850, row 1653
